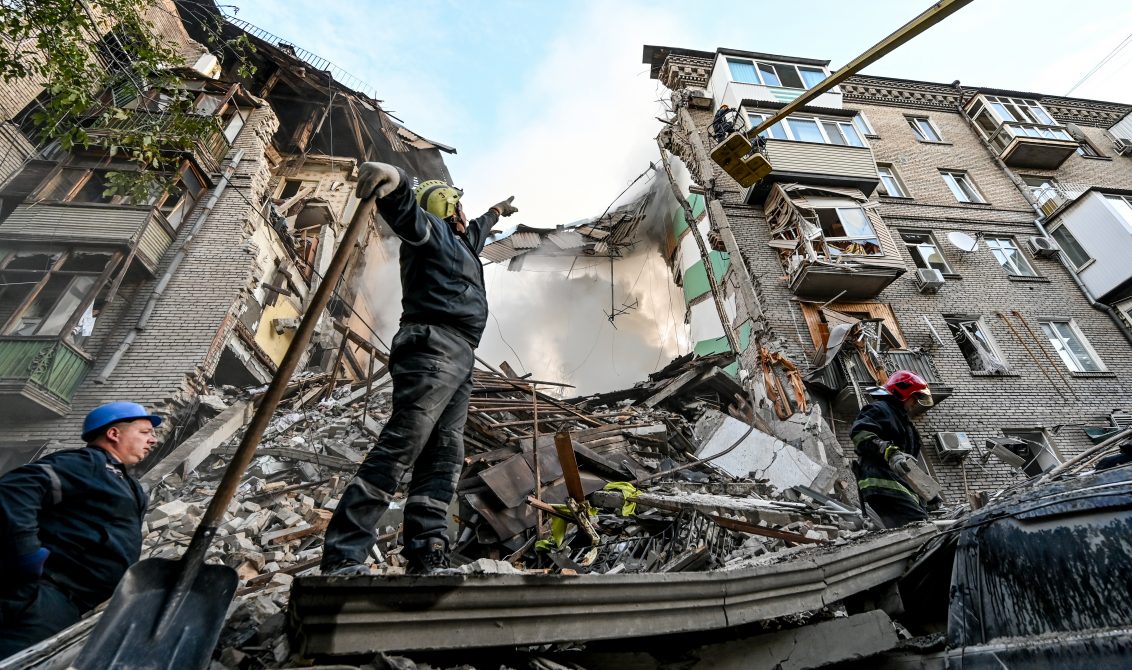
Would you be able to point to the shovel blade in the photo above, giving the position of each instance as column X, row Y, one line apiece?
column 126, row 639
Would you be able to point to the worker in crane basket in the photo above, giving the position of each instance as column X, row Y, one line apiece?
column 71, row 523
column 444, row 311
column 883, row 433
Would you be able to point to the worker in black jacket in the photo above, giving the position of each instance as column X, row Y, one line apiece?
column 443, row 314
column 882, row 433
column 71, row 524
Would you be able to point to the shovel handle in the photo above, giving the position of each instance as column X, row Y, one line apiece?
column 262, row 417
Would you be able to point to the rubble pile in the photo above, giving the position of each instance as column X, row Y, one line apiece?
column 603, row 500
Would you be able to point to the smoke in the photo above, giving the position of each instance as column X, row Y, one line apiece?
column 552, row 318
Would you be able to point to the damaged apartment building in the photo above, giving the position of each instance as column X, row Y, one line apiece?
column 973, row 235
column 108, row 298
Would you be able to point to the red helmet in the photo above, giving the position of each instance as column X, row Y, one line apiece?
column 905, row 384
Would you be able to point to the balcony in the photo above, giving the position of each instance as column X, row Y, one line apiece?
column 141, row 229
column 1032, row 145
column 207, row 144
column 818, row 164
column 39, row 376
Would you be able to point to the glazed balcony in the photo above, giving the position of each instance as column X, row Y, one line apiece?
column 143, row 230
column 818, row 164
column 39, row 376
column 1032, row 145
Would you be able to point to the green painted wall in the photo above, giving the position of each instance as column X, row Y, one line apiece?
column 695, row 279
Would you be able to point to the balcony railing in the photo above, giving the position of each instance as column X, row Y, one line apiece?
column 209, row 145
column 1032, row 145
column 1052, row 196
column 39, row 376
column 848, row 397
column 129, row 227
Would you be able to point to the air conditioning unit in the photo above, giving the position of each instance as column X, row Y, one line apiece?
column 929, row 280
column 953, row 447
column 1122, row 145
column 698, row 97
column 1043, row 247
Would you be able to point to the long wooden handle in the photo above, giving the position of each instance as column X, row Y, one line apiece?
column 246, row 451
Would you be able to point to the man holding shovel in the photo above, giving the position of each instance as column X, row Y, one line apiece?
column 71, row 524
column 444, row 311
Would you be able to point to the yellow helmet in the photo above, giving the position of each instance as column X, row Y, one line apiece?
column 438, row 198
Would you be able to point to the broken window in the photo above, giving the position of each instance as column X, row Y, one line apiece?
column 291, row 187
column 976, row 344
column 925, row 251
column 50, row 293
column 1071, row 345
column 77, row 184
column 820, row 319
column 847, row 231
column 1036, row 453
column 1010, row 257
column 182, row 197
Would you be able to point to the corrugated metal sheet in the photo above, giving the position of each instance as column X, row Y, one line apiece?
column 499, row 251
column 75, row 223
column 155, row 240
column 823, row 159
column 567, row 239
column 523, row 240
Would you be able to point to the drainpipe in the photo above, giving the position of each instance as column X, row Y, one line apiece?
column 1038, row 223
column 163, row 283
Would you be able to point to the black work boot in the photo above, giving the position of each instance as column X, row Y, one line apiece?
column 427, row 557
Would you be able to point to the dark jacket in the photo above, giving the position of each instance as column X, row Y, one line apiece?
column 879, row 423
column 85, row 509
column 441, row 273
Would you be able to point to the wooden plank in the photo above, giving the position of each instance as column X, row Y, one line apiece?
column 565, row 448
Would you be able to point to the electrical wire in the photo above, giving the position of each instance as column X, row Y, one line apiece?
column 499, row 328
column 1104, row 61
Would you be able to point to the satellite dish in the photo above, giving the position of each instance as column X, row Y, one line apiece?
column 962, row 241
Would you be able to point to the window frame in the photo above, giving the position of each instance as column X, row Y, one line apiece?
column 758, row 64
column 783, row 127
column 1003, row 263
column 981, row 333
column 952, row 179
column 1063, row 350
column 1122, row 212
column 66, row 331
column 894, row 175
column 1064, row 231
column 914, row 247
column 914, row 125
column 863, row 125
column 851, row 239
column 1046, row 442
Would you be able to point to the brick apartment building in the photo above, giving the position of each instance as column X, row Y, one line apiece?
column 974, row 235
column 106, row 299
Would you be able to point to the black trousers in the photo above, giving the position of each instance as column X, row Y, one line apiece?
column 431, row 368
column 31, row 613
column 897, row 511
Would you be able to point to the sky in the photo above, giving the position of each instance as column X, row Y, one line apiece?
column 550, row 102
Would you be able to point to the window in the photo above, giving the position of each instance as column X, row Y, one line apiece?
column 1122, row 207
column 233, row 120
column 810, row 129
column 890, row 183
column 1036, row 453
column 848, row 231
column 1070, row 247
column 1019, row 110
column 776, row 131
column 962, row 187
column 742, row 71
column 924, row 129
column 925, row 251
column 1071, row 345
column 862, row 124
column 76, row 184
column 976, row 344
column 1087, row 150
column 774, row 74
column 291, row 187
column 46, row 290
column 182, row 197
column 1010, row 257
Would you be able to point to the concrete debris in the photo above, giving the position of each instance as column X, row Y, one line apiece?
column 706, row 517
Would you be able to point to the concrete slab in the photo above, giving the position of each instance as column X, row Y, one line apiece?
column 760, row 455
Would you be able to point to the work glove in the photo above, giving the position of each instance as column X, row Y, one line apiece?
column 899, row 462
column 505, row 208
column 377, row 180
column 26, row 567
column 890, row 451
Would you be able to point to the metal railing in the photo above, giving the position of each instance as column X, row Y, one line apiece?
column 209, row 145
column 317, row 62
column 915, row 361
column 1052, row 196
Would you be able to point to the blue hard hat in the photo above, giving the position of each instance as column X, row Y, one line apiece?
column 113, row 412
